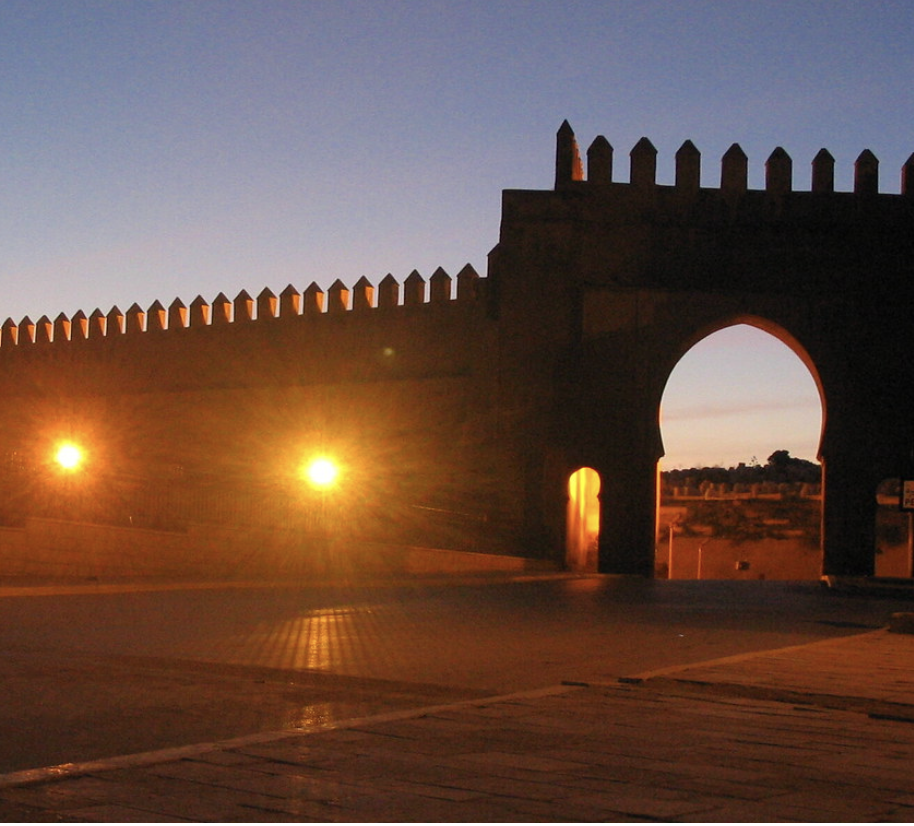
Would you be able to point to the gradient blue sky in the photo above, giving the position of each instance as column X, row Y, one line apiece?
column 153, row 150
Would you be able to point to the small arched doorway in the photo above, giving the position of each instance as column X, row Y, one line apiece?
column 582, row 533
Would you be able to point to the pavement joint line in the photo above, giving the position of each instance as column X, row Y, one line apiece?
column 737, row 658
column 64, row 771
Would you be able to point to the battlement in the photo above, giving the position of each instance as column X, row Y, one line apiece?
column 290, row 304
column 569, row 170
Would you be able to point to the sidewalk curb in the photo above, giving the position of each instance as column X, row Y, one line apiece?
column 94, row 588
column 736, row 658
column 30, row 777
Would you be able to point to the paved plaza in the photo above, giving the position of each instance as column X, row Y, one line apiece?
column 817, row 732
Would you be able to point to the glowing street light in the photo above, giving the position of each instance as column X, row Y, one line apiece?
column 69, row 456
column 322, row 473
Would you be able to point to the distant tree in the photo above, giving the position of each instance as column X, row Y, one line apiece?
column 782, row 467
column 779, row 459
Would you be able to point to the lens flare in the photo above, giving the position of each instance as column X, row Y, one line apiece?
column 322, row 473
column 69, row 456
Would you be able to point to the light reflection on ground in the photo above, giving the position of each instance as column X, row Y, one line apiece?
column 326, row 639
column 313, row 716
column 314, row 641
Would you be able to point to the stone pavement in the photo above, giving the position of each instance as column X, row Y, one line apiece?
column 819, row 732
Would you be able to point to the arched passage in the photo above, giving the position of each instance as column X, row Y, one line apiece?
column 894, row 532
column 582, row 521
column 742, row 392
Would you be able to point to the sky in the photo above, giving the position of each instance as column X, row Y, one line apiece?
column 738, row 396
column 160, row 150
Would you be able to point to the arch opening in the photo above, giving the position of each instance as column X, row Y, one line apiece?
column 582, row 522
column 740, row 493
column 894, row 551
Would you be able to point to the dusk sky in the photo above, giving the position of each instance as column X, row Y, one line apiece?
column 154, row 150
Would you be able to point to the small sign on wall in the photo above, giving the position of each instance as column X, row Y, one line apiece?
column 907, row 495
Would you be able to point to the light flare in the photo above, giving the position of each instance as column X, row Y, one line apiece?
column 322, row 473
column 69, row 456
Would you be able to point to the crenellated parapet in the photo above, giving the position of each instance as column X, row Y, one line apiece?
column 290, row 305
column 570, row 171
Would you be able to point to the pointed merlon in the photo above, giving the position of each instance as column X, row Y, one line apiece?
column 363, row 294
column 568, row 165
column 62, row 328
column 177, row 315
column 779, row 172
column 136, row 319
column 388, row 292
column 600, row 161
column 9, row 333
column 734, row 170
column 44, row 330
column 414, row 289
column 266, row 304
column 467, row 284
column 439, row 287
column 823, row 172
column 26, row 331
column 244, row 307
column 289, row 302
column 115, row 322
column 199, row 312
column 643, row 158
column 222, row 310
column 98, row 324
column 688, row 167
column 866, row 174
column 907, row 177
column 337, row 298
column 314, row 300
column 79, row 326
column 156, row 317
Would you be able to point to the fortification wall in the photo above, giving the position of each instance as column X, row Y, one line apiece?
column 196, row 420
column 459, row 413
column 686, row 237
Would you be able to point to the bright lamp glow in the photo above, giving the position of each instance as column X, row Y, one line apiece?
column 69, row 456
column 322, row 473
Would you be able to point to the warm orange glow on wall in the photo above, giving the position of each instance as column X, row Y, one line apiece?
column 69, row 456
column 321, row 473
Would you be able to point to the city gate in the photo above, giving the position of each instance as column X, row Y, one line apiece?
column 460, row 411
column 602, row 286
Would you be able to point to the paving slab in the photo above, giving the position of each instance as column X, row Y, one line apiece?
column 820, row 732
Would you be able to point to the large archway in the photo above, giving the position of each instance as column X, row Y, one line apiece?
column 740, row 489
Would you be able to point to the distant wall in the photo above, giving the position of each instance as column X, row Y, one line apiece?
column 715, row 558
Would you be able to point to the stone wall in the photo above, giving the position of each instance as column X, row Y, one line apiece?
column 197, row 422
column 459, row 412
